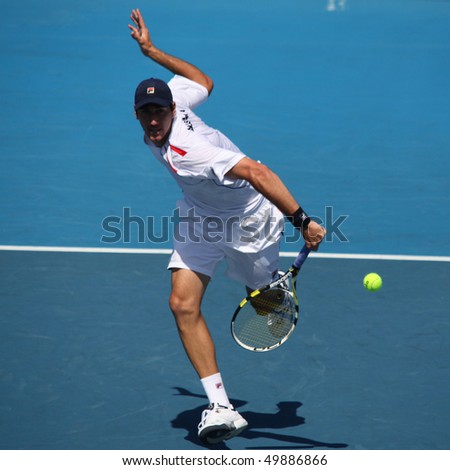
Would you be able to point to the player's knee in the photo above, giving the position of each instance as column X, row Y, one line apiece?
column 181, row 306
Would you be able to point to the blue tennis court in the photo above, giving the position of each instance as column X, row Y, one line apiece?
column 348, row 101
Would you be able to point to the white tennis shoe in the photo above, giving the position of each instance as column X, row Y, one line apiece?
column 220, row 423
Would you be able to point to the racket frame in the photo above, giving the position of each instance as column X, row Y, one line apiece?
column 291, row 273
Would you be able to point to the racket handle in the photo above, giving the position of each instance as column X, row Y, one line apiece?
column 304, row 252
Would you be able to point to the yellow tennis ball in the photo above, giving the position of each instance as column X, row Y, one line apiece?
column 373, row 282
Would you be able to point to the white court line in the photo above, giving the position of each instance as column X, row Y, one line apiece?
column 371, row 256
column 163, row 251
column 81, row 249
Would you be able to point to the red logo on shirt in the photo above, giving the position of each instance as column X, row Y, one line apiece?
column 177, row 150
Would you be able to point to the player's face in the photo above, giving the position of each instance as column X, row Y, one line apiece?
column 156, row 122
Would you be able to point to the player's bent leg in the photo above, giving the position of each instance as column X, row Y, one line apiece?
column 218, row 422
column 188, row 288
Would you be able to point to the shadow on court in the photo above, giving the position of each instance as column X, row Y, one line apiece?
column 285, row 417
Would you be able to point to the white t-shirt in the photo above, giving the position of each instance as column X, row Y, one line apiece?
column 198, row 157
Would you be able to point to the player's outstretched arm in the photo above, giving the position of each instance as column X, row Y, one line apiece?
column 268, row 183
column 141, row 34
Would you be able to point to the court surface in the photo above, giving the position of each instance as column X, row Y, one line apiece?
column 348, row 102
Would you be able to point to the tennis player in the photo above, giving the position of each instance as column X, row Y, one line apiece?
column 242, row 199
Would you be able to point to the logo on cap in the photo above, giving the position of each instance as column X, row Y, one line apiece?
column 151, row 90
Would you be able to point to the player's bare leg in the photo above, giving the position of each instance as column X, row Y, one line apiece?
column 188, row 289
column 218, row 422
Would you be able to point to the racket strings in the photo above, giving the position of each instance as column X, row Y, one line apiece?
column 276, row 314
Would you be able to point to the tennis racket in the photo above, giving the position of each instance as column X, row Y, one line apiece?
column 266, row 318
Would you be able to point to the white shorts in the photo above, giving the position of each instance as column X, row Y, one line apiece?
column 254, row 264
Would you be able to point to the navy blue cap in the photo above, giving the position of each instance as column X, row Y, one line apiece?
column 152, row 91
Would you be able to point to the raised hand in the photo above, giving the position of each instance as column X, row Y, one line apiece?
column 140, row 33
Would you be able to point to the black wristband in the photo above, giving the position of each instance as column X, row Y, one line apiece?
column 299, row 219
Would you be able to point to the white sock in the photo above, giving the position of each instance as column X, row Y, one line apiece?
column 215, row 390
